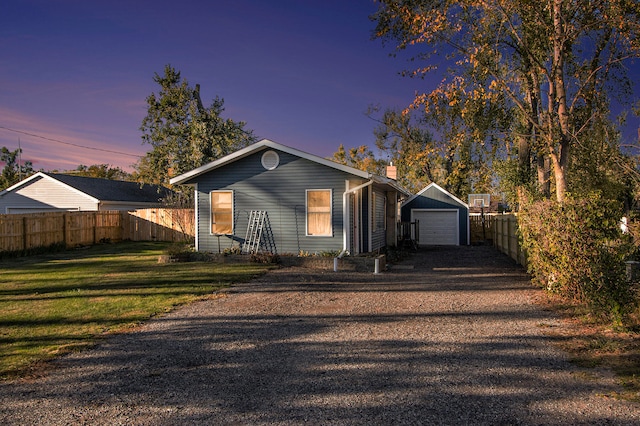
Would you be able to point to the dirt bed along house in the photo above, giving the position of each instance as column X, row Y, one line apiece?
column 449, row 336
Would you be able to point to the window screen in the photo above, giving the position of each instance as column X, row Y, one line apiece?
column 222, row 212
column 319, row 212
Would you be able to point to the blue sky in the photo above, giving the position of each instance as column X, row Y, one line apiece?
column 301, row 73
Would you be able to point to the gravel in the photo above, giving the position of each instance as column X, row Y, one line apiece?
column 449, row 336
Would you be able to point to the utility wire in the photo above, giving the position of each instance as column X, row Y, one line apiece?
column 69, row 143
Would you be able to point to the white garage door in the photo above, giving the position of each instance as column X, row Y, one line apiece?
column 437, row 227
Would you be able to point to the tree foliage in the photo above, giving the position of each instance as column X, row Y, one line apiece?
column 182, row 132
column 103, row 171
column 361, row 158
column 421, row 158
column 576, row 249
column 532, row 79
column 13, row 171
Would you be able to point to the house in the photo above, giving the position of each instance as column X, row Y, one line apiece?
column 443, row 219
column 47, row 192
column 297, row 201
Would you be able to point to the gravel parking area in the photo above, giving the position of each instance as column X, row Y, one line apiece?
column 450, row 336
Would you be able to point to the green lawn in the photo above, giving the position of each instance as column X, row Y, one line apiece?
column 52, row 304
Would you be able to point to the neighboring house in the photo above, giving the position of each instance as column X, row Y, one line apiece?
column 47, row 192
column 443, row 219
column 311, row 204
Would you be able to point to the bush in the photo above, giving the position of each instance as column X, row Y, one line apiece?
column 264, row 258
column 576, row 249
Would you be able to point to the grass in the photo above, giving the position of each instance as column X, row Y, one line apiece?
column 592, row 344
column 56, row 303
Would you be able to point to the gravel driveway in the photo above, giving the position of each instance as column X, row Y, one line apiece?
column 450, row 336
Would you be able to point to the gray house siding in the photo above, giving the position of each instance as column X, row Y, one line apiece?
column 378, row 220
column 30, row 198
column 435, row 199
column 281, row 193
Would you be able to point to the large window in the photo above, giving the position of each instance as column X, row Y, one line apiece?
column 319, row 212
column 222, row 212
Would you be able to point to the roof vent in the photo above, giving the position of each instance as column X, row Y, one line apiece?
column 270, row 160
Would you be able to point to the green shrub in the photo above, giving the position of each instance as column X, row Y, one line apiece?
column 576, row 249
column 232, row 250
column 264, row 258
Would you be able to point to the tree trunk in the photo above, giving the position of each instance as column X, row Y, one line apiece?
column 543, row 169
column 559, row 172
column 560, row 155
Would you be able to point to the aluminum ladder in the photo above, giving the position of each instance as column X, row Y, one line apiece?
column 254, row 231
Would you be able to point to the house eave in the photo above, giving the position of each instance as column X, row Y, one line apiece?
column 46, row 176
column 434, row 185
column 185, row 178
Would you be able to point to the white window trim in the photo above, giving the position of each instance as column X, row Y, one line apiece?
column 306, row 212
column 233, row 216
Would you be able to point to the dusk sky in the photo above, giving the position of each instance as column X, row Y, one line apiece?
column 301, row 73
column 298, row 72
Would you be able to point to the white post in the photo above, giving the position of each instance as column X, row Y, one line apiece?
column 377, row 266
column 335, row 264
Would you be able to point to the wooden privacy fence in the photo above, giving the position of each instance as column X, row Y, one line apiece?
column 24, row 232
column 160, row 225
column 478, row 231
column 505, row 237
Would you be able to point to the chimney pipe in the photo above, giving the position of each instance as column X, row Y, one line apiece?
column 392, row 171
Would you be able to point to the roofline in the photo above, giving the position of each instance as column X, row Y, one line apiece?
column 433, row 184
column 390, row 182
column 44, row 175
column 244, row 152
column 22, row 182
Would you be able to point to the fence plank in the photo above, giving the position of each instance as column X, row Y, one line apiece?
column 11, row 235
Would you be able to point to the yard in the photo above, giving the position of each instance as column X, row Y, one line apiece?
column 451, row 335
column 56, row 303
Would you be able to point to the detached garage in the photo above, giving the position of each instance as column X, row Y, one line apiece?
column 443, row 219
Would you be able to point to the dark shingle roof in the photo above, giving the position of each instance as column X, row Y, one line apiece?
column 113, row 190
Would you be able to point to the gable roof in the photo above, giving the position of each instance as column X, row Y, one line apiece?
column 264, row 143
column 439, row 188
column 185, row 178
column 101, row 189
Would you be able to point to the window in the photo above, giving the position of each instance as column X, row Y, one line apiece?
column 270, row 160
column 222, row 212
column 319, row 212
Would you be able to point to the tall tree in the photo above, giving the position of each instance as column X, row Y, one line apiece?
column 13, row 171
column 182, row 132
column 551, row 67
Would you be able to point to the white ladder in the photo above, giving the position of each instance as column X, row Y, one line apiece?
column 254, row 231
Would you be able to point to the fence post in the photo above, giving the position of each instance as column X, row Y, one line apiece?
column 24, row 233
column 515, row 229
column 67, row 229
column 123, row 215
